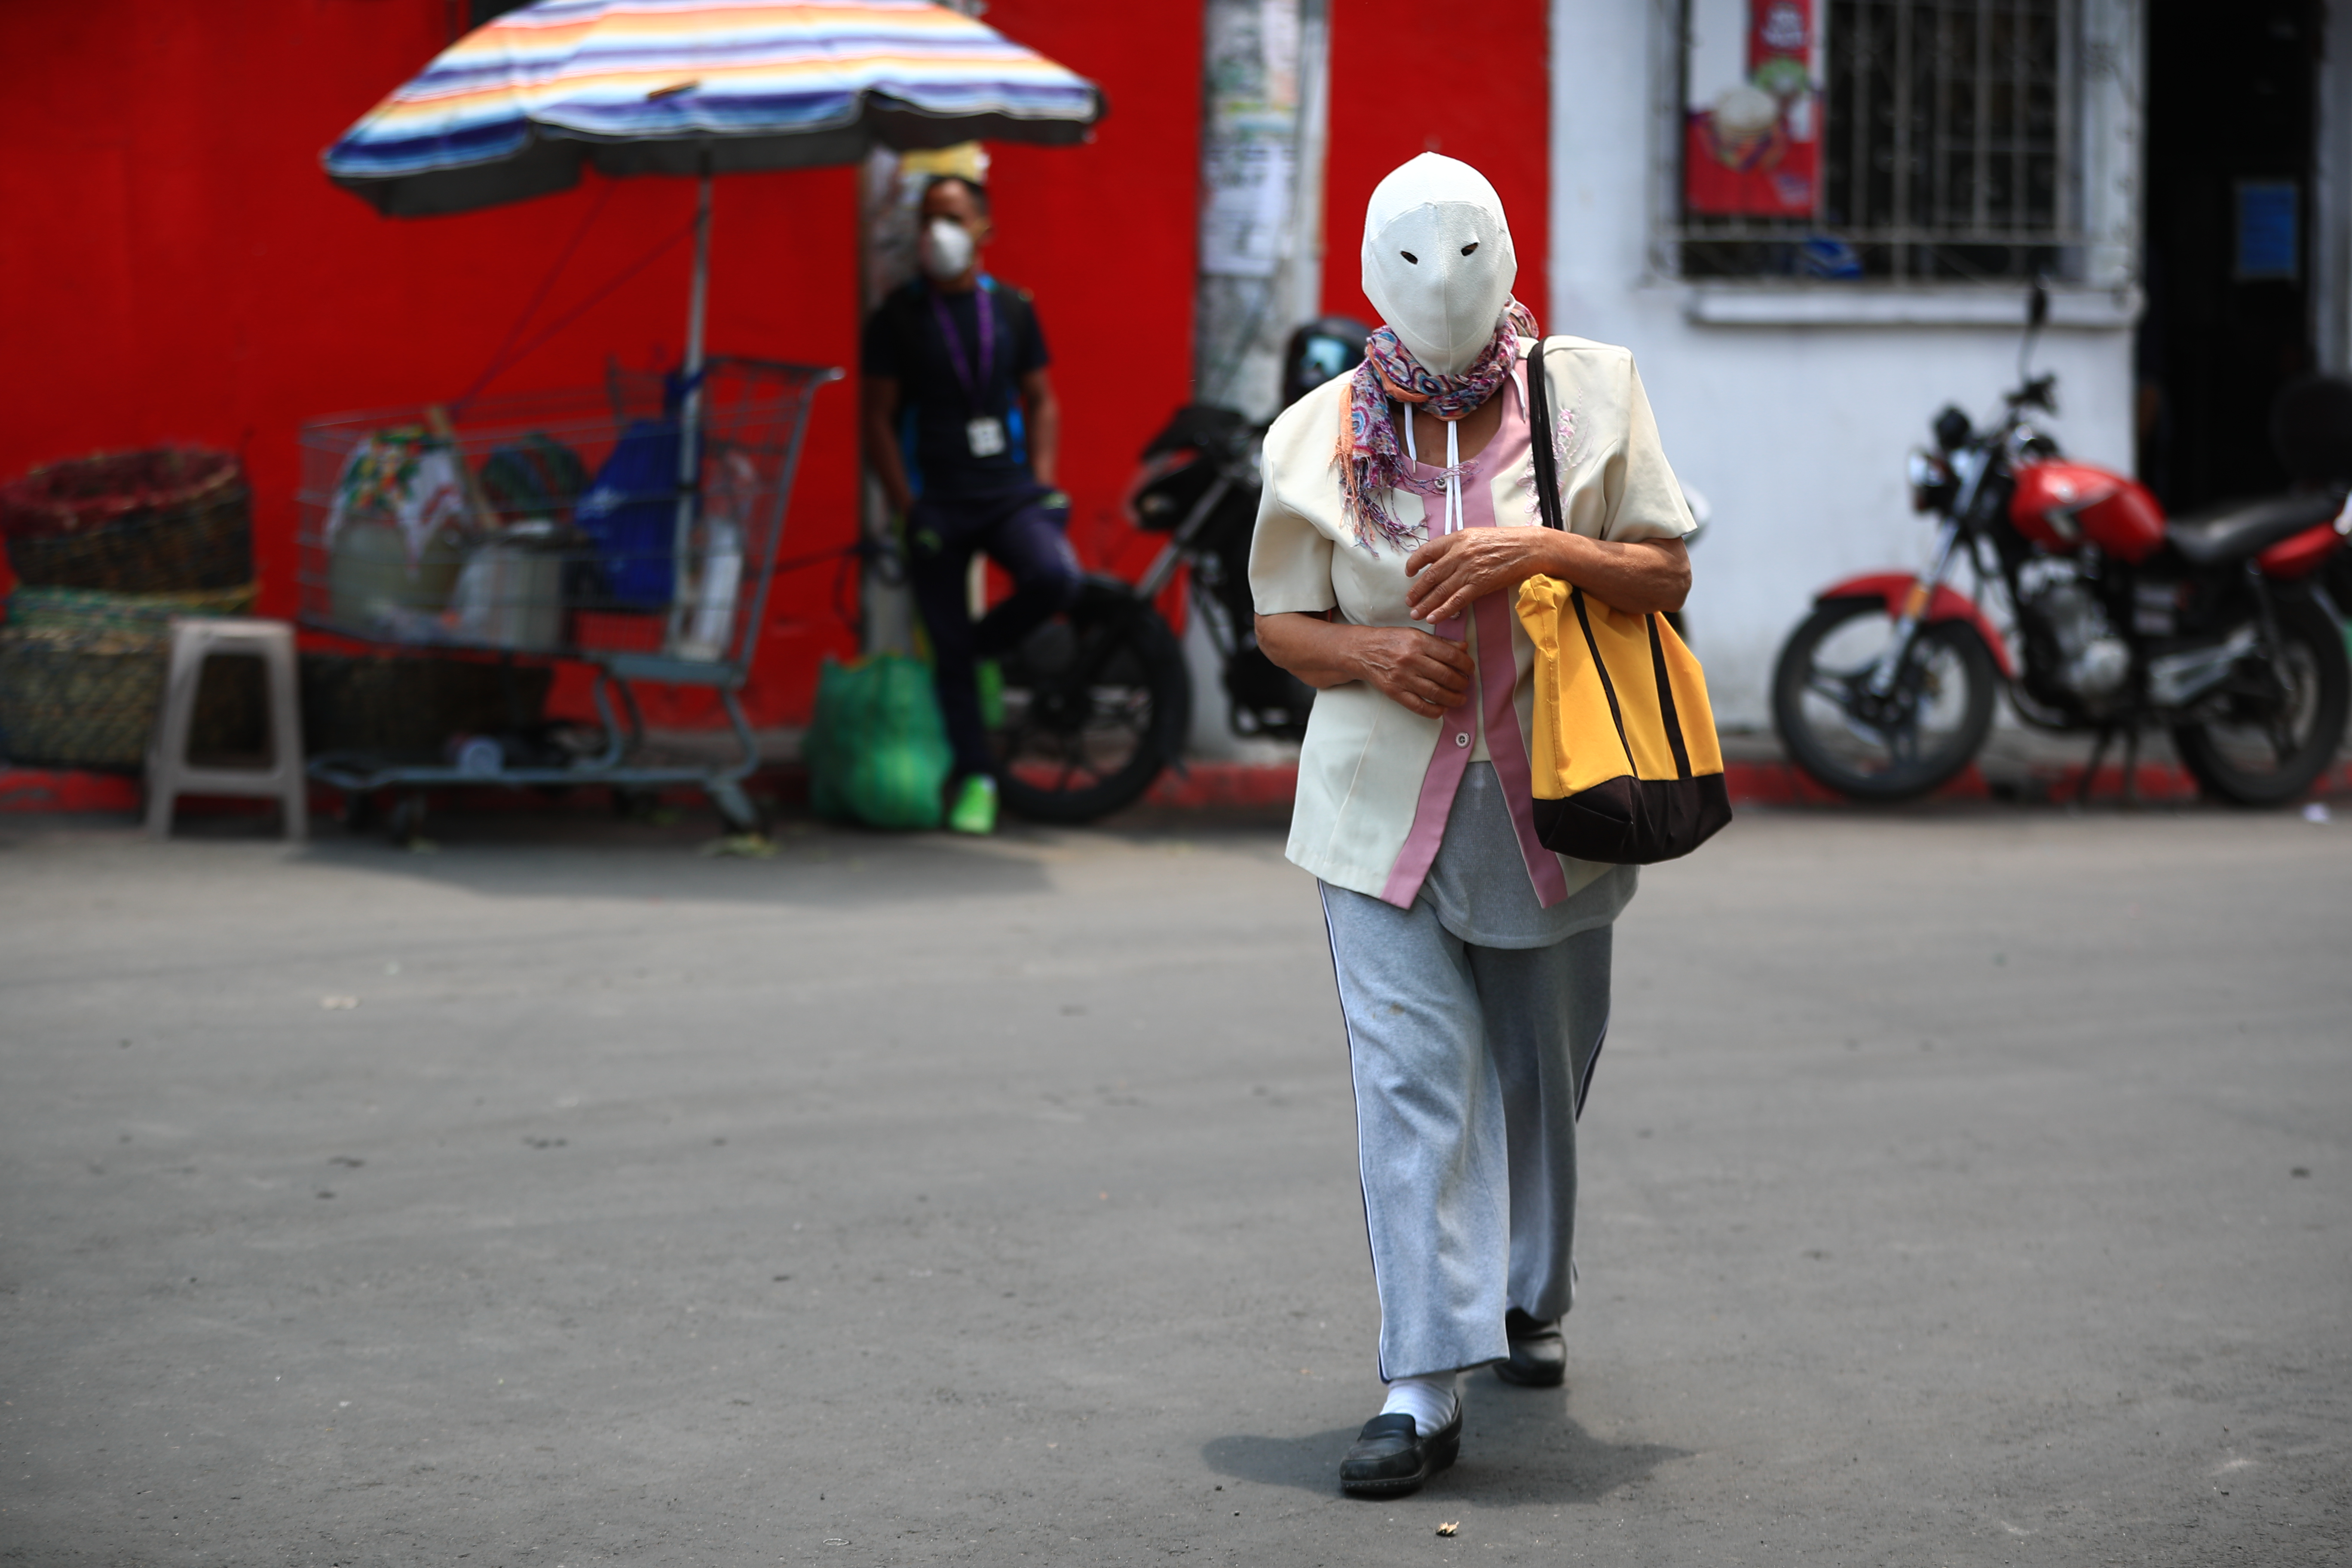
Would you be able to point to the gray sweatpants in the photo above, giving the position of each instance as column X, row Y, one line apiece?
column 1470, row 1064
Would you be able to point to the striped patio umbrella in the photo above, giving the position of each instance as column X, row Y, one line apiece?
column 696, row 87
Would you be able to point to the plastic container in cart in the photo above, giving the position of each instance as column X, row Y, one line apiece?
column 634, row 526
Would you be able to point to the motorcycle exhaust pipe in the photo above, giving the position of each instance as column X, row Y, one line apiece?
column 2178, row 679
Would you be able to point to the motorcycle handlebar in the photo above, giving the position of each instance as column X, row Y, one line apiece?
column 2038, row 392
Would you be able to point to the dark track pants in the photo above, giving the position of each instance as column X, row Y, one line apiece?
column 1027, row 539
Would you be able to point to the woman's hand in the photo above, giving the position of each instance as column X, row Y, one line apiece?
column 1455, row 571
column 1419, row 671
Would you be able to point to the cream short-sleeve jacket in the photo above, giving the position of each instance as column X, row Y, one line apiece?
column 1361, row 773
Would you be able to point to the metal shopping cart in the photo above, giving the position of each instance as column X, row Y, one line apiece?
column 634, row 527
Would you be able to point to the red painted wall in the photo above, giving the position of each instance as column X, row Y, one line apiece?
column 176, row 268
column 1472, row 82
column 1105, row 237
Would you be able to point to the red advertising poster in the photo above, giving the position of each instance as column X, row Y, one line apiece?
column 1752, row 144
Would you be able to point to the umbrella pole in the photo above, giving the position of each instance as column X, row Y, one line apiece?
column 690, row 412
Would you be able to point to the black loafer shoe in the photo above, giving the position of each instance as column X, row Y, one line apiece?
column 1539, row 1357
column 1391, row 1458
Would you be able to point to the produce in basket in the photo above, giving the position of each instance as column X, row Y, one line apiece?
column 160, row 521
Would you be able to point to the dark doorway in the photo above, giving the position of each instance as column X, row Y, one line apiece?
column 2233, row 94
column 481, row 11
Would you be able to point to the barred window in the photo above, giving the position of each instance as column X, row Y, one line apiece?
column 1923, row 140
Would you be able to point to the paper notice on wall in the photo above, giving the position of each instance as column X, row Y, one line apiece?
column 1752, row 137
column 1249, row 151
column 1246, row 220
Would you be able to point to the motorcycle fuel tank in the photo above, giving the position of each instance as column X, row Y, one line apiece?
column 2062, row 506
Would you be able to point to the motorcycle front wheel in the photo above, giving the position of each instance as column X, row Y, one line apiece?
column 1096, row 703
column 2272, row 740
column 1890, row 748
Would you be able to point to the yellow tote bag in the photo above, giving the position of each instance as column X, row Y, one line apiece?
column 1625, row 761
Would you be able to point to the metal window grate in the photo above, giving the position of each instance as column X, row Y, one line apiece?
column 1948, row 150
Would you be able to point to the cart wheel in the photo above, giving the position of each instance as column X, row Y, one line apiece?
column 405, row 825
column 358, row 810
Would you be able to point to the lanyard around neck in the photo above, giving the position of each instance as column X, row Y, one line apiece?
column 1455, row 518
column 974, row 377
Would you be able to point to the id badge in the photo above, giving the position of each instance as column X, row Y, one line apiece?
column 986, row 437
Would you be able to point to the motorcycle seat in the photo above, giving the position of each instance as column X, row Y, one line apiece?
column 1202, row 425
column 2236, row 529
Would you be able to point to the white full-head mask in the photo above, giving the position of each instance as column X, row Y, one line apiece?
column 1438, row 262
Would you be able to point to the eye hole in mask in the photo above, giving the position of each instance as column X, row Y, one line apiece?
column 1469, row 247
column 1409, row 256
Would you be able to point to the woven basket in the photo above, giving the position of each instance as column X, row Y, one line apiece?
column 74, row 703
column 166, row 519
column 89, row 702
column 405, row 708
column 81, row 675
column 132, row 616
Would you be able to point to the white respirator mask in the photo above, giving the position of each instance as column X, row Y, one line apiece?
column 947, row 249
column 1438, row 262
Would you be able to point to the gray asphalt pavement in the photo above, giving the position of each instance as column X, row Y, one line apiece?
column 1964, row 1187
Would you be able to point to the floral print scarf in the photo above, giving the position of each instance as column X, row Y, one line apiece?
column 1370, row 455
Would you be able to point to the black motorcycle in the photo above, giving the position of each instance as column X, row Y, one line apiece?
column 1097, row 701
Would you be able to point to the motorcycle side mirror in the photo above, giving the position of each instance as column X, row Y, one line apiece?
column 2037, row 307
column 1952, row 429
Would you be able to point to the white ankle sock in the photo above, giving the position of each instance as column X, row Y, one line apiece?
column 1430, row 1401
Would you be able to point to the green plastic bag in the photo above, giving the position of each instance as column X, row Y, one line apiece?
column 878, row 752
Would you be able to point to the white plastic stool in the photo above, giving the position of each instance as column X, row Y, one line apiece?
column 169, row 774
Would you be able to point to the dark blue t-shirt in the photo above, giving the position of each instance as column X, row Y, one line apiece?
column 903, row 341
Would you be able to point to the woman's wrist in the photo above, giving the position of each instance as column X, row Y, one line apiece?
column 1348, row 643
column 1559, row 555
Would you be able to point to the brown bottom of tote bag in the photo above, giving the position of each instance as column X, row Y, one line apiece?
column 1633, row 821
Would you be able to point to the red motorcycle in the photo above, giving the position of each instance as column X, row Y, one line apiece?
column 2215, row 626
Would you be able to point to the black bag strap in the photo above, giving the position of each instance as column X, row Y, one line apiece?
column 1667, row 713
column 1608, row 687
column 1547, row 461
column 1540, row 447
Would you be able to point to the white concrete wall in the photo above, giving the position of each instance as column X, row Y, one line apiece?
column 1796, row 434
column 2331, row 217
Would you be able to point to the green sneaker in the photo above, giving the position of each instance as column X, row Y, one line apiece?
column 975, row 806
column 989, row 676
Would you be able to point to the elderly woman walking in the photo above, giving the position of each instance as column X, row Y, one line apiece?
column 1473, row 964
